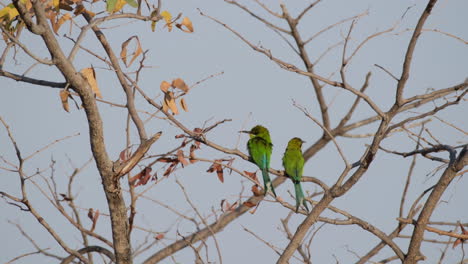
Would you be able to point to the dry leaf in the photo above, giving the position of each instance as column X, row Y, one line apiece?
column 256, row 191
column 64, row 97
column 60, row 22
column 227, row 207
column 187, row 24
column 181, row 158
column 124, row 155
column 216, row 166
column 159, row 236
column 219, row 172
column 193, row 159
column 249, row 204
column 136, row 53
column 164, row 106
column 460, row 240
column 95, row 218
column 90, row 213
column 251, row 175
column 90, row 75
column 165, row 86
column 180, row 84
column 170, row 102
column 142, row 177
column 166, row 160
column 79, row 9
column 65, row 197
column 167, row 17
column 171, row 168
column 183, row 104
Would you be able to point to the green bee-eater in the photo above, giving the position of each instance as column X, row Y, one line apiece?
column 293, row 163
column 260, row 148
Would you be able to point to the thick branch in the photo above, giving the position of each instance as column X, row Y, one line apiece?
column 449, row 174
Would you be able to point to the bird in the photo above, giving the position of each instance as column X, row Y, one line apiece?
column 293, row 163
column 260, row 149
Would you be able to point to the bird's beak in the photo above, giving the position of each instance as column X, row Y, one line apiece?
column 244, row 131
column 303, row 141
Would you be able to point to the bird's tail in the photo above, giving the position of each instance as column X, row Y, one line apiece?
column 267, row 182
column 300, row 199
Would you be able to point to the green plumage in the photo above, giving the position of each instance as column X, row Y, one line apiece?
column 293, row 163
column 260, row 148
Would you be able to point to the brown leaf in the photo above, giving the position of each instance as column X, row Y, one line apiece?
column 180, row 136
column 227, row 207
column 224, row 204
column 65, row 197
column 249, row 204
column 164, row 106
column 181, row 158
column 166, row 160
column 60, row 22
column 183, row 104
column 180, row 84
column 251, row 175
column 256, row 191
column 219, row 172
column 457, row 242
column 184, row 143
column 78, row 10
column 159, row 236
column 90, row 75
column 142, row 177
column 66, row 7
column 146, row 176
column 64, row 97
column 193, row 159
column 460, row 240
column 90, row 213
column 95, row 218
column 124, row 155
column 187, row 24
column 171, row 168
column 170, row 102
column 136, row 53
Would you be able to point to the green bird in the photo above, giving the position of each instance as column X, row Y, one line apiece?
column 260, row 148
column 293, row 163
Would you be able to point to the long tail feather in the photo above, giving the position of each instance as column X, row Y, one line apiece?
column 299, row 196
column 267, row 182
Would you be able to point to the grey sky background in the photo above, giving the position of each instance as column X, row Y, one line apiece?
column 252, row 90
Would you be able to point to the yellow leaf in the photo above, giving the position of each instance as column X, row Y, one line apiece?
column 187, row 24
column 179, row 83
column 170, row 102
column 56, row 4
column 64, row 97
column 90, row 75
column 123, row 53
column 119, row 5
column 167, row 17
column 165, row 86
column 8, row 12
column 183, row 104
column 60, row 22
column 164, row 106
